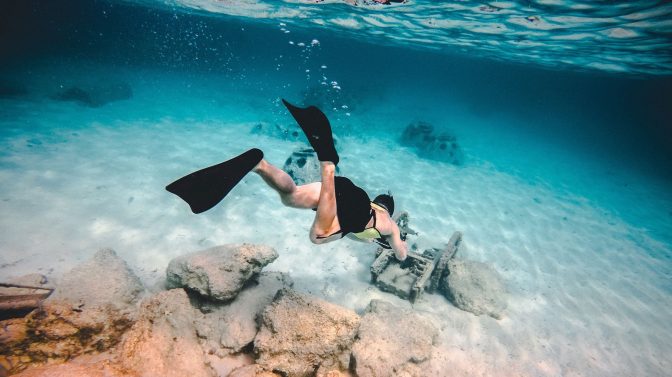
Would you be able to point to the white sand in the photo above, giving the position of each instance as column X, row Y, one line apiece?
column 589, row 293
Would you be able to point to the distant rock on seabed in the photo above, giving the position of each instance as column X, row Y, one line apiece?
column 304, row 167
column 95, row 96
column 420, row 136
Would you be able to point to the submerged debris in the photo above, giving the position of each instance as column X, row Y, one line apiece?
column 471, row 286
column 410, row 278
column 17, row 300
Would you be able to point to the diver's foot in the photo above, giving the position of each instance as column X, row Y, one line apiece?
column 261, row 166
column 317, row 129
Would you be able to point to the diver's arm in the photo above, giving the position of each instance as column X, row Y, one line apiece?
column 399, row 246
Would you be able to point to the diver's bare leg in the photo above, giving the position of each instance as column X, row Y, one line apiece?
column 326, row 221
column 304, row 196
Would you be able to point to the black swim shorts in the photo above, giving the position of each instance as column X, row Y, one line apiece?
column 353, row 206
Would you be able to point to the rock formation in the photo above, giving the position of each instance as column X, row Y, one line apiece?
column 90, row 309
column 232, row 327
column 220, row 272
column 301, row 335
column 93, row 325
column 392, row 341
column 163, row 342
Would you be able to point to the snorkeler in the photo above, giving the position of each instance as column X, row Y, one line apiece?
column 342, row 208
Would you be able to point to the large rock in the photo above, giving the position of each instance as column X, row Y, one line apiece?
column 163, row 342
column 475, row 287
column 232, row 327
column 392, row 341
column 105, row 280
column 92, row 306
column 301, row 335
column 219, row 273
column 442, row 147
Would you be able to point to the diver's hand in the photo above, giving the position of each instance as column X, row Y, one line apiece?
column 406, row 263
column 400, row 251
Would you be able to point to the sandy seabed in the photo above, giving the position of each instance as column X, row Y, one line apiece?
column 589, row 294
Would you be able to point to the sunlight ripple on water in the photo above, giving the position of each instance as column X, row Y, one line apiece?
column 628, row 36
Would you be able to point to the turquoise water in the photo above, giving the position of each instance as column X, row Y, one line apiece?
column 562, row 110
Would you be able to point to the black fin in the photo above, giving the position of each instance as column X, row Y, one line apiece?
column 205, row 188
column 316, row 126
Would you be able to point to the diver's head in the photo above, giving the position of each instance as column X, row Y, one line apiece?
column 386, row 201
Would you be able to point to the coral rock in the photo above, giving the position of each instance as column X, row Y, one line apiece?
column 92, row 306
column 219, row 273
column 392, row 341
column 163, row 341
column 234, row 326
column 301, row 335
